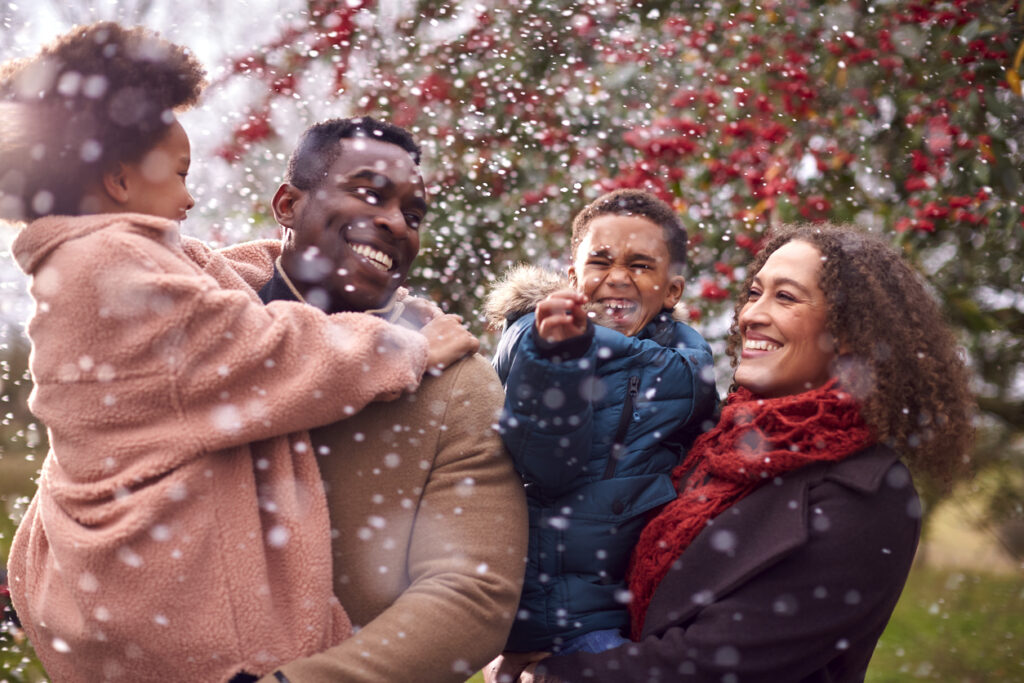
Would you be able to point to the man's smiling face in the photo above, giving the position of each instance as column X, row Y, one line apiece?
column 350, row 241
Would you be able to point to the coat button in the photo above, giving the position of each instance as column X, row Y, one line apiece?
column 618, row 507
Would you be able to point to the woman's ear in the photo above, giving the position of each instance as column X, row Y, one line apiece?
column 572, row 277
column 115, row 184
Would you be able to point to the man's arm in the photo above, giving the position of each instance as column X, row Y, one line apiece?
column 465, row 562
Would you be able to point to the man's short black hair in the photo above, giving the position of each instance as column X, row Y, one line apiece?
column 629, row 202
column 318, row 147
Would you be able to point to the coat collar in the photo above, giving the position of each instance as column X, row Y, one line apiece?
column 765, row 526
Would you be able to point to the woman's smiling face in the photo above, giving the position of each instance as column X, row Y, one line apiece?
column 786, row 347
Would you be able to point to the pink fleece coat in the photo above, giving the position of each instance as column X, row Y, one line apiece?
column 180, row 529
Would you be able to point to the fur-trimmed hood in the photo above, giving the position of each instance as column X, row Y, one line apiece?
column 523, row 286
column 519, row 291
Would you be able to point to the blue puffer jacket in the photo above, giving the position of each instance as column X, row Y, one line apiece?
column 595, row 438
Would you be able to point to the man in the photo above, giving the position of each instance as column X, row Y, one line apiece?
column 428, row 518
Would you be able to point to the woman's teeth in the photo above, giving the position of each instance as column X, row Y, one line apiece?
column 760, row 345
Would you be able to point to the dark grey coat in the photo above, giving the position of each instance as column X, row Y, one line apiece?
column 795, row 582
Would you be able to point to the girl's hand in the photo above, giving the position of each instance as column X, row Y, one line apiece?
column 447, row 341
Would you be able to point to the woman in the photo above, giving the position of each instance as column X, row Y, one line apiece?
column 795, row 526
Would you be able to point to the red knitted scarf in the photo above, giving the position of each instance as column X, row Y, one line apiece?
column 755, row 440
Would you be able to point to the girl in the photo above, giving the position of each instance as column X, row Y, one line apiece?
column 179, row 531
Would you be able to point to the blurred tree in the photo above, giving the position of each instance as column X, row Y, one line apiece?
column 21, row 443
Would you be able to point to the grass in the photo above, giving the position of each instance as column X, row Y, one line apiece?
column 955, row 626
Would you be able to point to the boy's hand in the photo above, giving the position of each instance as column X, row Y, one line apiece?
column 561, row 316
column 447, row 341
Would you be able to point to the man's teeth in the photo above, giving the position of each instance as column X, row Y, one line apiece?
column 378, row 258
column 760, row 345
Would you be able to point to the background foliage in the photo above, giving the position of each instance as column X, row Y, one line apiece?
column 904, row 116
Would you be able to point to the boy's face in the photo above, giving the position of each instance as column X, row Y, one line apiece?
column 156, row 183
column 623, row 267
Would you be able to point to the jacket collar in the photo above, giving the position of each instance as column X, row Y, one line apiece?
column 753, row 534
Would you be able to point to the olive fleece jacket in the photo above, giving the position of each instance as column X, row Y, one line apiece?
column 180, row 529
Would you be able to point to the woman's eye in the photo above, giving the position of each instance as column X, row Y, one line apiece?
column 786, row 296
column 753, row 294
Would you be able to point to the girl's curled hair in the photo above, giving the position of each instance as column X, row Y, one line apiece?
column 96, row 96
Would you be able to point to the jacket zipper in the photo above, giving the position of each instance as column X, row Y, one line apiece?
column 618, row 443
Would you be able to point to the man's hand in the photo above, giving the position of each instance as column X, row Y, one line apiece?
column 447, row 341
column 561, row 316
column 506, row 667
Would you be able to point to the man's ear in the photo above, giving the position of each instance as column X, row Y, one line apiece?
column 285, row 204
column 676, row 285
column 115, row 184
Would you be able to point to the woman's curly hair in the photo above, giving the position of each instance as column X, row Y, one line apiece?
column 96, row 96
column 899, row 357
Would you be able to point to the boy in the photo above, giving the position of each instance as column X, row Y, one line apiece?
column 596, row 416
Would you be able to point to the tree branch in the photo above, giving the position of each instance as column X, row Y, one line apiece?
column 1012, row 412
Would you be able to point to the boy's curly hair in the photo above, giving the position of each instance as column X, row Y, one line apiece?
column 96, row 96
column 900, row 359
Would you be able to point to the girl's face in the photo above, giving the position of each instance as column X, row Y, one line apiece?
column 156, row 183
